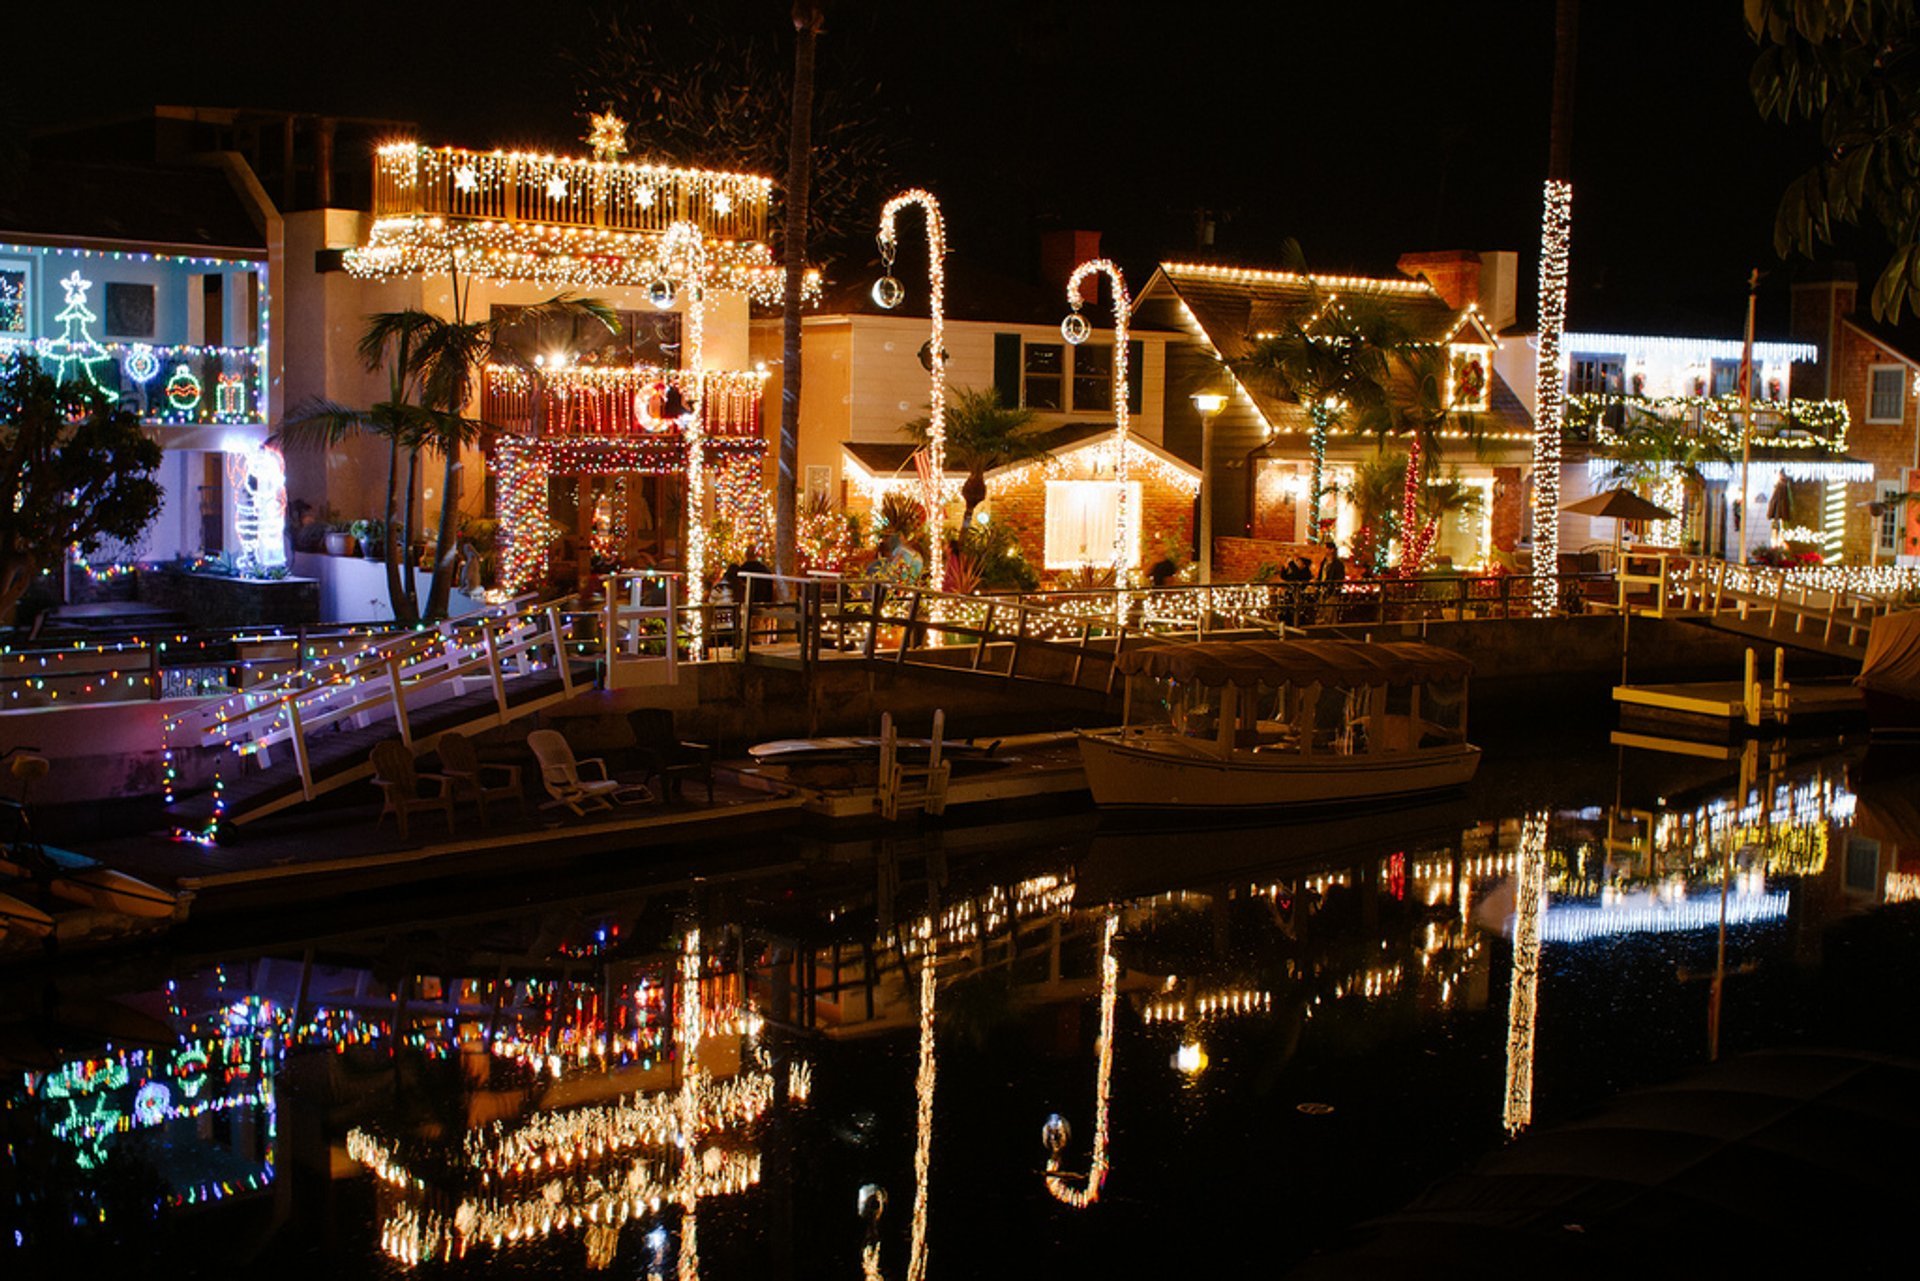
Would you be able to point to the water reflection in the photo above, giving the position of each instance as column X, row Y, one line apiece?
column 625, row 1083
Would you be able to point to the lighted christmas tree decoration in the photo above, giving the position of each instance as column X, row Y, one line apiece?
column 75, row 345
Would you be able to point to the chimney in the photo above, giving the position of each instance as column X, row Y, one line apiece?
column 1499, row 286
column 1823, row 296
column 1061, row 252
column 1453, row 273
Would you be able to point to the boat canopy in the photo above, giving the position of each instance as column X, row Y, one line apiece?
column 1297, row 662
column 1892, row 664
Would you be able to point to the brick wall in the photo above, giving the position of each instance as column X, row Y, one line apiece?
column 1509, row 510
column 1888, row 446
column 1239, row 560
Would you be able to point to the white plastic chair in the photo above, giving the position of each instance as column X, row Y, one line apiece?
column 562, row 776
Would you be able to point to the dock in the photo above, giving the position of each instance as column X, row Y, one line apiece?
column 1746, row 704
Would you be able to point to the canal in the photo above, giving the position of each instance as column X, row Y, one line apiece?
column 1060, row 1046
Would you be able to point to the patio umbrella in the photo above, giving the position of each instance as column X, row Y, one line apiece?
column 1619, row 505
column 1780, row 505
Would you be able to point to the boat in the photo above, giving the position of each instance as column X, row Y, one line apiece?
column 75, row 878
column 1889, row 677
column 798, row 751
column 22, row 919
column 1286, row 724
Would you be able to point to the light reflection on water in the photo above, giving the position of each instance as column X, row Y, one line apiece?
column 630, row 1082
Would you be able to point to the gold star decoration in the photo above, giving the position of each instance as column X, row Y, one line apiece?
column 608, row 137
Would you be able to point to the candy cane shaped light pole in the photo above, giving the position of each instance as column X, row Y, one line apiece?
column 684, row 255
column 1056, row 1132
column 873, row 1199
column 889, row 293
column 1076, row 330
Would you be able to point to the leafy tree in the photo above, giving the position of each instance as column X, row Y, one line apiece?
column 1652, row 446
column 982, row 434
column 1850, row 66
column 75, row 470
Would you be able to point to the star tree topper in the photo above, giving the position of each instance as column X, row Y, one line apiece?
column 608, row 137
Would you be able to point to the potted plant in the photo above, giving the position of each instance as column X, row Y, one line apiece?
column 372, row 536
column 339, row 541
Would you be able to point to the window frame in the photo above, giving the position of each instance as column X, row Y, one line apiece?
column 1602, row 361
column 25, row 267
column 1873, row 377
column 1890, row 523
column 1063, row 378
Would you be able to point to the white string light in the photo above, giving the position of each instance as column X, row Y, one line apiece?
column 1122, row 313
column 936, row 360
column 1556, row 223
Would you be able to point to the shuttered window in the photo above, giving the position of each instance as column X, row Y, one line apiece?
column 1888, row 403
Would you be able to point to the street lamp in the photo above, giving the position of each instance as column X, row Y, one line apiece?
column 890, row 293
column 1076, row 330
column 1209, row 403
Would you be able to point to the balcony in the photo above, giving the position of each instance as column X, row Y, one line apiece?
column 183, row 385
column 1819, row 426
column 639, row 403
column 410, row 180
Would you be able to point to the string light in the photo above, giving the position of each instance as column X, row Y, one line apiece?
column 1530, row 902
column 932, row 484
column 1063, row 1191
column 1556, row 223
column 1125, row 541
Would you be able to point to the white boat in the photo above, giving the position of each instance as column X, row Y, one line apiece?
column 75, row 878
column 1247, row 725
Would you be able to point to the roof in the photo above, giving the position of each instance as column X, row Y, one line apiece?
column 1901, row 340
column 1232, row 305
column 131, row 203
column 1301, row 662
column 885, row 458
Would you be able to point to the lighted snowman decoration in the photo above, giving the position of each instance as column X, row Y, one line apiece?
column 259, row 480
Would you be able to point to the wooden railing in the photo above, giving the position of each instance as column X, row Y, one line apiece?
column 1811, row 602
column 450, row 182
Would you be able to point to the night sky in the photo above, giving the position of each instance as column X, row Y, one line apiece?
column 1363, row 130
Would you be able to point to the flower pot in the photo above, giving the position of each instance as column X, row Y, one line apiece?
column 339, row 543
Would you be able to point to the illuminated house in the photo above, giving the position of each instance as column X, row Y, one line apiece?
column 1262, row 453
column 1873, row 370
column 151, row 281
column 602, row 450
column 865, row 379
column 1686, row 391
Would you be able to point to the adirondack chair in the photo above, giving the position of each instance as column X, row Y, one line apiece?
column 459, row 762
column 394, row 774
column 664, row 755
column 561, row 774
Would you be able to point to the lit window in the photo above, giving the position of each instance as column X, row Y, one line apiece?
column 1471, row 388
column 1597, row 375
column 1888, row 403
column 1891, row 516
column 1082, row 516
column 14, row 297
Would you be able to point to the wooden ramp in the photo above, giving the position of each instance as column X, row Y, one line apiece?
column 310, row 732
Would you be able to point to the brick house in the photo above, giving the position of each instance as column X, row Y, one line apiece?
column 1875, row 370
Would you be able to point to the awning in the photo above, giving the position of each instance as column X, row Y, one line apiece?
column 1302, row 662
column 1892, row 664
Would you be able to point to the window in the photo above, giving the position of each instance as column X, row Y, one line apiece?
column 1725, row 374
column 819, row 484
column 1044, row 369
column 1597, row 375
column 15, row 298
column 129, row 310
column 1887, row 402
column 1892, row 515
column 1082, row 517
column 1092, row 379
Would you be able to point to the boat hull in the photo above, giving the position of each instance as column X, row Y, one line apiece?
column 1123, row 775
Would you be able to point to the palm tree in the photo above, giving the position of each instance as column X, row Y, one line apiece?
column 1421, row 396
column 1336, row 365
column 984, row 434
column 434, row 366
column 1653, row 447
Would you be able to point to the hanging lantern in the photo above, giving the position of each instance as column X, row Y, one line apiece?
column 888, row 292
column 1075, row 328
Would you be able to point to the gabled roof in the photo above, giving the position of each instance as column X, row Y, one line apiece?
column 130, row 203
column 887, row 458
column 1472, row 327
column 1899, row 341
column 1233, row 306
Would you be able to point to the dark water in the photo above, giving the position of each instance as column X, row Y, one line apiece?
column 1309, row 1023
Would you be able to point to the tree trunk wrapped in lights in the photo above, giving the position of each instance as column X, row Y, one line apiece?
column 1556, row 222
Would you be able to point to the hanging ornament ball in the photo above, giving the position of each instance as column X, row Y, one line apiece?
column 1075, row 328
column 889, row 293
column 183, row 389
column 1056, row 1133
column 660, row 294
column 926, row 355
column 873, row 1201
column 142, row 364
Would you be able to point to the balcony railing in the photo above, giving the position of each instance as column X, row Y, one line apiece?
column 565, row 191
column 619, row 402
column 179, row 385
column 1819, row 425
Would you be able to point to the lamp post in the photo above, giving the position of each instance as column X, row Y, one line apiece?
column 889, row 293
column 685, row 253
column 1076, row 330
column 1209, row 403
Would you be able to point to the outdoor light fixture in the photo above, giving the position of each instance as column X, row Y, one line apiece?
column 1190, row 1059
column 1209, row 403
